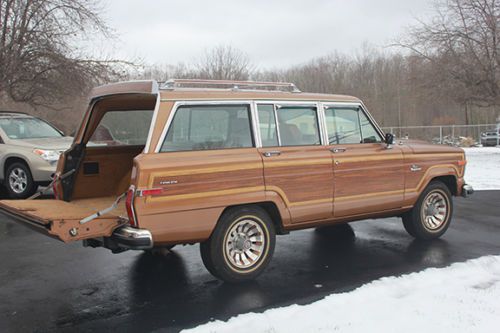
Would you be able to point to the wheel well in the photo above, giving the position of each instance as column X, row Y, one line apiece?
column 11, row 160
column 271, row 209
column 449, row 181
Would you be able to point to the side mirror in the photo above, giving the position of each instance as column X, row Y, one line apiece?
column 389, row 139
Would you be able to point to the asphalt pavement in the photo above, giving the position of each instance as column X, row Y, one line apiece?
column 49, row 286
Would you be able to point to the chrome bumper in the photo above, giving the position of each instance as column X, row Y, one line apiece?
column 132, row 238
column 467, row 190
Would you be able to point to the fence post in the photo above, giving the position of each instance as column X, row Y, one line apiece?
column 440, row 135
column 452, row 132
column 498, row 131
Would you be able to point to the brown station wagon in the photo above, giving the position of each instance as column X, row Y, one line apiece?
column 230, row 165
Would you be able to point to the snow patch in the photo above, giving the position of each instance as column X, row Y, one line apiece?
column 483, row 168
column 463, row 297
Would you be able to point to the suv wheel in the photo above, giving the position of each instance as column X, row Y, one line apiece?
column 241, row 245
column 18, row 181
column 431, row 215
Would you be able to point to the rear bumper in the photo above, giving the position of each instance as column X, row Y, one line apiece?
column 467, row 190
column 132, row 238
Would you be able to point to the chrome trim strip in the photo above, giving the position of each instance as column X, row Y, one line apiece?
column 255, row 125
column 275, row 114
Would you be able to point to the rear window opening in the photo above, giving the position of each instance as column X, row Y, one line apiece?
column 116, row 131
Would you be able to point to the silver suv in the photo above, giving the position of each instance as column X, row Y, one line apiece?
column 29, row 151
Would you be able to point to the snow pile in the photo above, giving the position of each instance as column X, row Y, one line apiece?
column 463, row 297
column 483, row 168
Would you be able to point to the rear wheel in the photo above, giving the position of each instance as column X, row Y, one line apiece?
column 19, row 181
column 241, row 245
column 431, row 215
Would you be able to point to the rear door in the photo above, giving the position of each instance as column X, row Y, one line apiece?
column 368, row 175
column 296, row 164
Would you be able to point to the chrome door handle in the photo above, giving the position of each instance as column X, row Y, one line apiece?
column 272, row 153
column 415, row 168
column 338, row 150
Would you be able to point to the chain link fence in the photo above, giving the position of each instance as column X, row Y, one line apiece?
column 456, row 135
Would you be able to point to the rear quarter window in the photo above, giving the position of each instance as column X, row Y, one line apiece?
column 208, row 127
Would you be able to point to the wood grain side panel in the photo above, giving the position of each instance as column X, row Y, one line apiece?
column 367, row 178
column 432, row 166
column 196, row 186
column 303, row 178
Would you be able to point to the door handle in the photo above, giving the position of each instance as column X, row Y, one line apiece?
column 415, row 168
column 272, row 153
column 338, row 150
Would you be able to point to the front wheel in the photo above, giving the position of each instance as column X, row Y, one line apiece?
column 241, row 245
column 431, row 215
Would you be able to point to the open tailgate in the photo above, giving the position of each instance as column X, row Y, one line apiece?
column 60, row 219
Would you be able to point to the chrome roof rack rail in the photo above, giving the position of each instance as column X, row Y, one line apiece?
column 230, row 85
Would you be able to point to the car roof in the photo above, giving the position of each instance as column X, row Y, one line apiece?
column 218, row 90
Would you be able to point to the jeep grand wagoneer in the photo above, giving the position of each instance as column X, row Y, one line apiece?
column 230, row 165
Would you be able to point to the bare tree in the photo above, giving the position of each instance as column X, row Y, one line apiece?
column 462, row 44
column 224, row 62
column 40, row 58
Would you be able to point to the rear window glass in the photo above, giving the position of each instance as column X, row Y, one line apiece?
column 207, row 127
column 122, row 128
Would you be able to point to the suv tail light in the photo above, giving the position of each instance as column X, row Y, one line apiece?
column 129, row 204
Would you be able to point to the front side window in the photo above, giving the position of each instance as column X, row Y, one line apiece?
column 207, row 127
column 298, row 126
column 349, row 125
column 122, row 128
column 28, row 128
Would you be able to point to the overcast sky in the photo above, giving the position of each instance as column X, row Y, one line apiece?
column 274, row 33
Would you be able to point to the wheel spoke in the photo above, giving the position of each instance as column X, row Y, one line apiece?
column 244, row 243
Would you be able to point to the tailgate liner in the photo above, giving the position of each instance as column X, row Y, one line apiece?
column 61, row 220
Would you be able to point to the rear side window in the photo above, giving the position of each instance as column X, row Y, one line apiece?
column 207, row 127
column 122, row 128
column 298, row 126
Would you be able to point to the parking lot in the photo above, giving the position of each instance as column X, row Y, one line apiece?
column 47, row 285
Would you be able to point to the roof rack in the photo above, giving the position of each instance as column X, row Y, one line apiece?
column 230, row 85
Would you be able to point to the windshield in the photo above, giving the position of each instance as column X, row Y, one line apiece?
column 28, row 128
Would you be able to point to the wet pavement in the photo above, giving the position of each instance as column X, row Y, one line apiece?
column 46, row 285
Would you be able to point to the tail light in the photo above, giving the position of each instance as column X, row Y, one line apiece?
column 129, row 204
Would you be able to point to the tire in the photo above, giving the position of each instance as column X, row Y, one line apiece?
column 19, row 181
column 431, row 215
column 241, row 245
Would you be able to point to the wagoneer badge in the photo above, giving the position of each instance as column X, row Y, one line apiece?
column 168, row 182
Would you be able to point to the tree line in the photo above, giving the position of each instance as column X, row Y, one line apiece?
column 443, row 70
